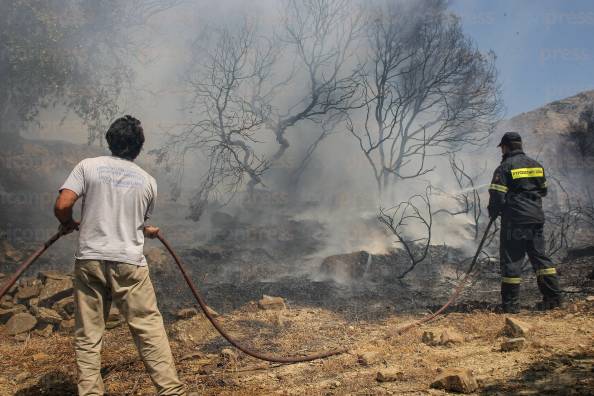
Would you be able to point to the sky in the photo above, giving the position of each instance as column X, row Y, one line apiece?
column 545, row 49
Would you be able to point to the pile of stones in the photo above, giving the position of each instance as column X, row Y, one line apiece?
column 41, row 306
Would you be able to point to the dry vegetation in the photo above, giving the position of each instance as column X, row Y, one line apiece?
column 557, row 359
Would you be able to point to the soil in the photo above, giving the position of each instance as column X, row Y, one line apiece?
column 558, row 358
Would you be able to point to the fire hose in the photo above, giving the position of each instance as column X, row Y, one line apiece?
column 222, row 332
column 458, row 288
column 258, row 355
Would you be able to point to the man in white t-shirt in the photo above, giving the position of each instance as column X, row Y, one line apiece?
column 117, row 199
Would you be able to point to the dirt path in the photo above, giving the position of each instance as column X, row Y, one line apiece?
column 558, row 357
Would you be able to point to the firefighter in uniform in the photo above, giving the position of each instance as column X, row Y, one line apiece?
column 515, row 194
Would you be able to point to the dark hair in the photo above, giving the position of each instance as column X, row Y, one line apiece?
column 125, row 137
column 515, row 145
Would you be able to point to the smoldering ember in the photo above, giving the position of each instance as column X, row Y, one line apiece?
column 296, row 197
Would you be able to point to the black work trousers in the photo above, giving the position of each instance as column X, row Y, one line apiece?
column 517, row 241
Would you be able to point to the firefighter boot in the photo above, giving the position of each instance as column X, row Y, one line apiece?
column 510, row 298
column 551, row 293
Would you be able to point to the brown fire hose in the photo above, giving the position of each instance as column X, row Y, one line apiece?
column 262, row 356
column 23, row 267
column 458, row 288
column 222, row 332
column 12, row 280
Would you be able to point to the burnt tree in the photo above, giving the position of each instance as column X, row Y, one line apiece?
column 229, row 110
column 428, row 91
column 250, row 87
column 321, row 36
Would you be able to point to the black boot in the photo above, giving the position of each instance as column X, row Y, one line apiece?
column 547, row 305
column 551, row 293
column 510, row 298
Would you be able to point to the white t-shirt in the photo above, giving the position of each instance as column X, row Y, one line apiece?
column 118, row 197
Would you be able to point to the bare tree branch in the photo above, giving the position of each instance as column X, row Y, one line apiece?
column 400, row 216
column 428, row 91
column 321, row 34
column 228, row 114
column 239, row 86
column 468, row 197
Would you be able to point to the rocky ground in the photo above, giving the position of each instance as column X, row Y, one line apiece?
column 474, row 350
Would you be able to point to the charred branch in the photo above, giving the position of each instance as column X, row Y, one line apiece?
column 228, row 117
column 417, row 210
column 321, row 35
column 467, row 198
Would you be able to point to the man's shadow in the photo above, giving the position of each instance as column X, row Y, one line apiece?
column 55, row 383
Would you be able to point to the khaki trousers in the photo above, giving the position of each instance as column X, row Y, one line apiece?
column 130, row 288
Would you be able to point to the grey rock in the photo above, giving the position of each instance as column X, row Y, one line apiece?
column 513, row 344
column 46, row 315
column 389, row 375
column 55, row 290
column 6, row 302
column 6, row 314
column 114, row 314
column 430, row 338
column 113, row 324
column 44, row 330
column 67, row 326
column 20, row 323
column 22, row 337
column 34, row 302
column 516, row 328
column 271, row 303
column 65, row 307
column 369, row 358
column 28, row 291
column 55, row 275
column 450, row 336
column 456, row 380
column 192, row 355
column 186, row 313
column 447, row 337
column 114, row 319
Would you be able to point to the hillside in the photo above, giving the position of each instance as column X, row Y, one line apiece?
column 545, row 135
column 553, row 118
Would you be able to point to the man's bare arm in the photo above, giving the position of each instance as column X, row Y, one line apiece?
column 63, row 211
